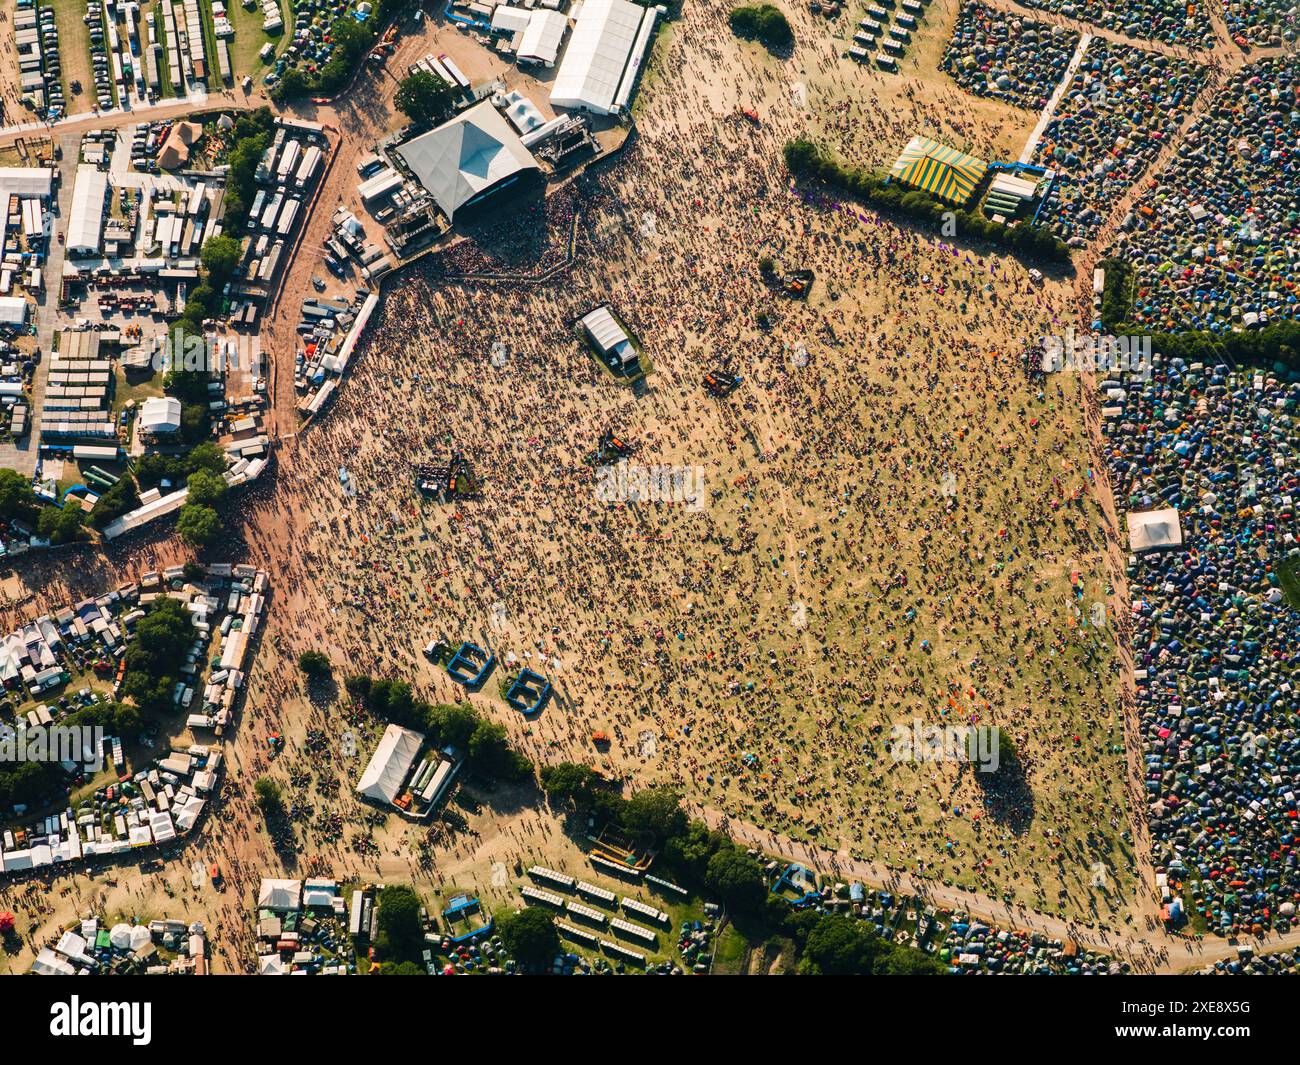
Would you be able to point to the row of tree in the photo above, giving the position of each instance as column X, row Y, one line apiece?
column 1278, row 343
column 711, row 863
column 154, row 658
column 805, row 160
column 484, row 743
column 29, row 782
column 350, row 41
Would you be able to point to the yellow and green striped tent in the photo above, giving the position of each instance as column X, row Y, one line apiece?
column 943, row 172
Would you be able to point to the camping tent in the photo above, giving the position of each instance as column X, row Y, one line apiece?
column 944, row 173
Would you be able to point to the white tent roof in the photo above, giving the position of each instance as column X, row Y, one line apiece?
column 522, row 112
column 161, row 414
column 48, row 963
column 604, row 329
column 26, row 182
column 87, row 221
column 270, row 965
column 391, row 764
column 72, row 946
column 13, row 310
column 466, row 156
column 506, row 19
column 1154, row 529
column 280, row 895
column 542, row 37
column 597, row 54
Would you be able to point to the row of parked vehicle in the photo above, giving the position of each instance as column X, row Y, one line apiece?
column 55, row 103
column 99, row 60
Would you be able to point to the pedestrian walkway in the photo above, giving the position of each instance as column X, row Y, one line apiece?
column 1031, row 145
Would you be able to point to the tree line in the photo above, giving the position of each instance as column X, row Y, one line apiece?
column 804, row 159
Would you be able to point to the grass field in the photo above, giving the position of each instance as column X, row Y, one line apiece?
column 1288, row 575
column 74, row 53
column 249, row 38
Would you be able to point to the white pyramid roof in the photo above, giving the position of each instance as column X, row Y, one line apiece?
column 280, row 895
column 1154, row 529
column 466, row 156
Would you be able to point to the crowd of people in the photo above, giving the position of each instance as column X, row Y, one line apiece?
column 829, row 587
column 1008, row 57
column 1110, row 125
column 1214, row 242
column 900, row 522
column 1215, row 640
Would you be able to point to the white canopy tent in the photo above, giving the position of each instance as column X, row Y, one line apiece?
column 600, row 50
column 86, row 223
column 161, row 414
column 1153, row 530
column 391, row 764
column 280, row 895
column 542, row 37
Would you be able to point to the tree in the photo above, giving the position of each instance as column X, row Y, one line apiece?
column 737, row 879
column 655, row 813
column 568, row 782
column 206, row 488
column 17, row 497
column 153, row 469
column 358, row 686
column 315, row 664
column 528, row 935
column 199, row 524
column 425, row 98
column 267, row 794
column 61, row 526
column 764, row 23
column 399, row 920
column 153, row 659
column 220, row 255
column 691, row 850
column 206, row 456
column 194, row 422
column 453, row 723
column 115, row 502
column 837, row 946
column 802, row 156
